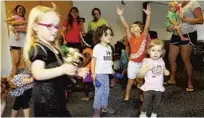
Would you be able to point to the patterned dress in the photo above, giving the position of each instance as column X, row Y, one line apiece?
column 17, row 80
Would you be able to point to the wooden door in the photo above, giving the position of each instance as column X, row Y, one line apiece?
column 63, row 7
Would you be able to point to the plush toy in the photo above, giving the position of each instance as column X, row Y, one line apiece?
column 71, row 55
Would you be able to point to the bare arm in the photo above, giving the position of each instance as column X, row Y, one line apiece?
column 198, row 17
column 87, row 60
column 17, row 22
column 27, row 80
column 124, row 23
column 166, row 72
column 63, row 33
column 40, row 73
column 147, row 23
column 21, row 29
column 83, row 30
column 144, row 69
column 9, row 19
column 127, row 51
column 93, row 64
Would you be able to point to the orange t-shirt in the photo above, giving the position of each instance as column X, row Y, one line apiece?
column 138, row 46
column 90, row 52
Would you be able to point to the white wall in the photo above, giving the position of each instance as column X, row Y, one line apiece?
column 158, row 21
column 132, row 13
column 5, row 53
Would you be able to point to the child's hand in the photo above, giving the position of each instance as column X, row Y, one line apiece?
column 166, row 72
column 177, row 24
column 119, row 11
column 93, row 76
column 32, row 79
column 148, row 10
column 82, row 72
column 147, row 67
column 69, row 69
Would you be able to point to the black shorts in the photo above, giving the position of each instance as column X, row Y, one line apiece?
column 22, row 101
column 15, row 48
column 176, row 40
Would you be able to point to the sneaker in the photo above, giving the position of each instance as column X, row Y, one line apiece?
column 143, row 115
column 153, row 115
column 108, row 110
column 97, row 113
column 189, row 89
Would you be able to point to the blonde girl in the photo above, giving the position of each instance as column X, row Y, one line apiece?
column 47, row 65
column 172, row 20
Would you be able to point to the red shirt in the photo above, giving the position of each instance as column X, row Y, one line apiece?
column 73, row 33
column 136, row 43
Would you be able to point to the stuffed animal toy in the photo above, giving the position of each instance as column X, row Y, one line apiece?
column 71, row 55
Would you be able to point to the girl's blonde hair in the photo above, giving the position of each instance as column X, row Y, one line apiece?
column 35, row 13
column 155, row 42
column 172, row 3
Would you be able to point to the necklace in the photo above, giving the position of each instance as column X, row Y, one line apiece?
column 53, row 49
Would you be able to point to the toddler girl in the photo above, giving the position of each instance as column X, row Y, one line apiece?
column 47, row 65
column 101, row 67
column 16, row 18
column 153, row 69
column 172, row 20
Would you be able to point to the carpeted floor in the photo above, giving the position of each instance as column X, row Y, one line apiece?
column 176, row 101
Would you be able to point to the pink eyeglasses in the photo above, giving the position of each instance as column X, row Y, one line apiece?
column 49, row 26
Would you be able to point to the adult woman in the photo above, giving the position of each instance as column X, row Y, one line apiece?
column 97, row 21
column 71, row 29
column 191, row 14
column 16, row 45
